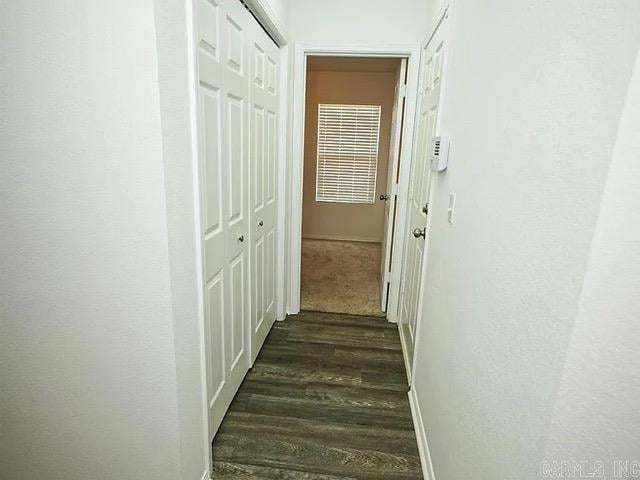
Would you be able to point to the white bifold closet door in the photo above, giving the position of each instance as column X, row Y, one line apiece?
column 264, row 149
column 230, row 137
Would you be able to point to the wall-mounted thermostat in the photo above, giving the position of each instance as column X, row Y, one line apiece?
column 439, row 154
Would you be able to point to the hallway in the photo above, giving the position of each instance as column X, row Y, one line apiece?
column 205, row 206
column 326, row 398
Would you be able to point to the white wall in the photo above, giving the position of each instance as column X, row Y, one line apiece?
column 89, row 386
column 534, row 96
column 600, row 391
column 180, row 181
column 358, row 21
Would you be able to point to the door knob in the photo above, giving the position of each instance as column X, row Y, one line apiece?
column 419, row 232
column 384, row 196
column 260, row 223
column 241, row 238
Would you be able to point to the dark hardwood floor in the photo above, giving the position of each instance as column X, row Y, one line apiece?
column 326, row 399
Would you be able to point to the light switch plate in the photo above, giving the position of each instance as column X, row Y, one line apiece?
column 452, row 206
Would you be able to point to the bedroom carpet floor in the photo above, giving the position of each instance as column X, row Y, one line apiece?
column 341, row 277
column 325, row 400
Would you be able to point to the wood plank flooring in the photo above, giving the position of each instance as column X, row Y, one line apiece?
column 326, row 399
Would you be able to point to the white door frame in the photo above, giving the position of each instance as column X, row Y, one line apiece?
column 192, row 53
column 301, row 52
column 281, row 188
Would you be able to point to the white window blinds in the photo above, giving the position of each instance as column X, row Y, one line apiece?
column 347, row 153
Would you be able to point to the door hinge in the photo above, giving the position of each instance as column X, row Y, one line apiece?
column 403, row 90
column 425, row 209
column 394, row 189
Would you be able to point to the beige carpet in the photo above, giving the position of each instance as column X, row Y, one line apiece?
column 341, row 277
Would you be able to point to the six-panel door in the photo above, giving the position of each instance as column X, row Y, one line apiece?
column 264, row 123
column 420, row 187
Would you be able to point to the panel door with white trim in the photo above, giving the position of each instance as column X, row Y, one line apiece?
column 421, row 179
column 223, row 98
column 264, row 69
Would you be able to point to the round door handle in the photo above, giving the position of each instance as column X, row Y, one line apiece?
column 419, row 232
column 384, row 196
column 241, row 238
column 260, row 223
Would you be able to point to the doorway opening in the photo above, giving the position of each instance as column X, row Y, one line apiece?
column 354, row 107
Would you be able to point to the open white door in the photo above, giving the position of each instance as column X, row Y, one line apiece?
column 416, row 233
column 391, row 195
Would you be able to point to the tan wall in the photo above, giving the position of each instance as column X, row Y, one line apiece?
column 340, row 220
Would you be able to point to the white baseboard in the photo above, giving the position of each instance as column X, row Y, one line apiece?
column 341, row 239
column 405, row 353
column 421, row 436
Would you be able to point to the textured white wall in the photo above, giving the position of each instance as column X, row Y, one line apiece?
column 87, row 347
column 358, row 21
column 600, row 391
column 180, row 180
column 534, row 95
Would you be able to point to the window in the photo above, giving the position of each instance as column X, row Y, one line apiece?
column 347, row 153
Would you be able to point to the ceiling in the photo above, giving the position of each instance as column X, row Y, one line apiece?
column 352, row 64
